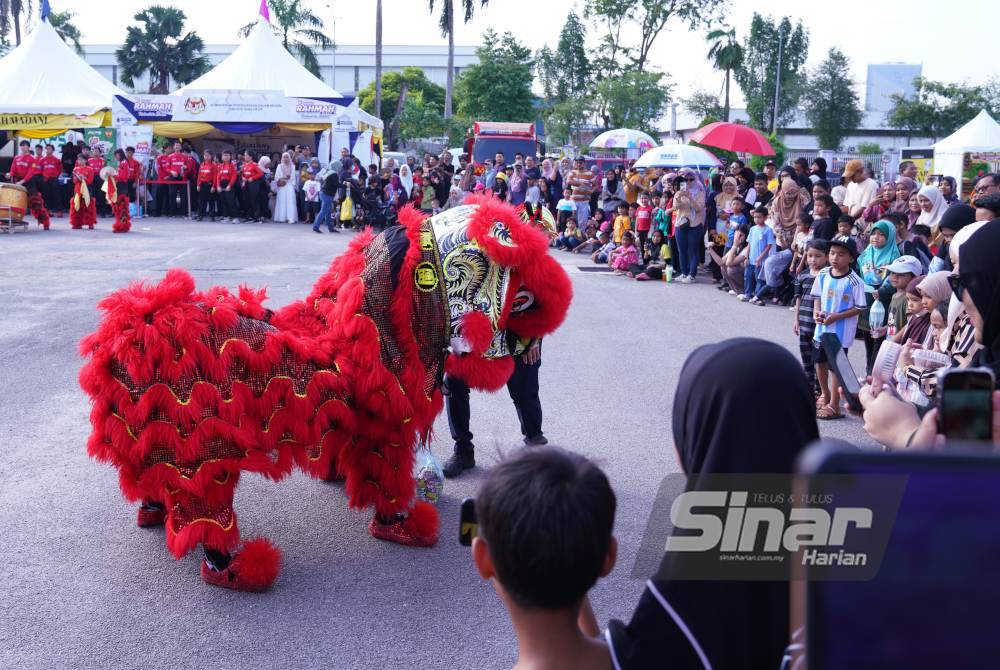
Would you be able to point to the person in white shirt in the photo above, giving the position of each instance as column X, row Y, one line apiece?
column 861, row 191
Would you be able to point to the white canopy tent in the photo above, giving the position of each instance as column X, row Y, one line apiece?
column 262, row 63
column 980, row 135
column 44, row 76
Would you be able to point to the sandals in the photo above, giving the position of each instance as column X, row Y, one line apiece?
column 828, row 413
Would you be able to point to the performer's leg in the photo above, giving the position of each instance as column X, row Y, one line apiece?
column 459, row 416
column 523, row 389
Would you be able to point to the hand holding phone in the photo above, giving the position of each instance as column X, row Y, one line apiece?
column 965, row 404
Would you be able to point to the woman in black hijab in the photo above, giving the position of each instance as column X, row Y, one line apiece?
column 953, row 220
column 720, row 426
column 979, row 279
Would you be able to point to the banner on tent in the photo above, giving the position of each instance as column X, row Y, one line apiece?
column 138, row 137
column 230, row 107
column 103, row 139
column 50, row 121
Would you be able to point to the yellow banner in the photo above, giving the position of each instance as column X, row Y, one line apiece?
column 50, row 121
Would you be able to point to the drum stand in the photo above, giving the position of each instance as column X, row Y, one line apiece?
column 7, row 220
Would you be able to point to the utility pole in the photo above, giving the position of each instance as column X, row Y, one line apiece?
column 777, row 84
column 378, row 58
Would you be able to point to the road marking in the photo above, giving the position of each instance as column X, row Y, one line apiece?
column 179, row 256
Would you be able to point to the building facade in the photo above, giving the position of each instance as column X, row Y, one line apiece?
column 348, row 67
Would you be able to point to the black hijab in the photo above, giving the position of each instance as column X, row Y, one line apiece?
column 954, row 218
column 742, row 406
column 980, row 273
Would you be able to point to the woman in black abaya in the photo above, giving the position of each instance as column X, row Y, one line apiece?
column 742, row 406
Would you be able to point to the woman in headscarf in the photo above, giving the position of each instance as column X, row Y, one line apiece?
column 932, row 206
column 882, row 251
column 953, row 220
column 948, row 187
column 724, row 625
column 285, row 174
column 882, row 204
column 919, row 321
column 689, row 222
column 979, row 281
column 406, row 179
column 395, row 195
column 905, row 187
column 553, row 179
column 264, row 163
column 612, row 195
column 744, row 182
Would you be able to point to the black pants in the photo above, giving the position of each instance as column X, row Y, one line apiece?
column 51, row 194
column 643, row 236
column 228, row 206
column 523, row 389
column 871, row 351
column 178, row 202
column 252, row 193
column 806, row 347
column 34, row 185
column 161, row 199
column 207, row 203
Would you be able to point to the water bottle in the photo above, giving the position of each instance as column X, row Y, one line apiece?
column 668, row 273
column 876, row 315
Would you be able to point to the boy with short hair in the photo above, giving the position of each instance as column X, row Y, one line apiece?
column 546, row 518
column 761, row 242
column 839, row 295
column 622, row 224
column 823, row 227
column 845, row 227
column 817, row 258
column 901, row 273
column 604, row 250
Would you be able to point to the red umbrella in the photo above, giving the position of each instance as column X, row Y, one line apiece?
column 733, row 137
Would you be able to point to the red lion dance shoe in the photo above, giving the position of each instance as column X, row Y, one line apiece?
column 192, row 389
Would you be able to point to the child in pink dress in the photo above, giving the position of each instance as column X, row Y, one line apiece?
column 625, row 255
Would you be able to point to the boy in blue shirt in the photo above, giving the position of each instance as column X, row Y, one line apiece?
column 838, row 298
column 760, row 242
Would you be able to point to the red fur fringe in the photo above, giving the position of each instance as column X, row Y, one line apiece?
column 475, row 327
column 123, row 220
column 257, row 564
column 37, row 206
column 483, row 374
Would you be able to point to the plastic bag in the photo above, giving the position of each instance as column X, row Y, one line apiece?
column 428, row 474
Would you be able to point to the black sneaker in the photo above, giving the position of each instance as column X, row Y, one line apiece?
column 458, row 464
column 536, row 441
column 317, row 230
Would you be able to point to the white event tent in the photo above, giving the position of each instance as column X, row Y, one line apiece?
column 261, row 93
column 46, row 88
column 980, row 135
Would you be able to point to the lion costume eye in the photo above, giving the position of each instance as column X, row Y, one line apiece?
column 523, row 301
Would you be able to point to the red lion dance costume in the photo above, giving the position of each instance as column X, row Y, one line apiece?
column 117, row 198
column 192, row 389
column 82, row 206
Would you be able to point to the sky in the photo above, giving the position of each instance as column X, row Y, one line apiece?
column 952, row 40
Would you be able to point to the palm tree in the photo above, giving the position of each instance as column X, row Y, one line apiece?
column 62, row 23
column 378, row 54
column 299, row 29
column 726, row 55
column 160, row 49
column 10, row 13
column 447, row 25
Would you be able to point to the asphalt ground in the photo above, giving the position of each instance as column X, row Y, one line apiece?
column 82, row 587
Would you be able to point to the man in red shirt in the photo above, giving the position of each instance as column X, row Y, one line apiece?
column 225, row 178
column 180, row 169
column 208, row 204
column 51, row 167
column 82, row 210
column 252, row 180
column 24, row 169
column 134, row 172
column 162, row 191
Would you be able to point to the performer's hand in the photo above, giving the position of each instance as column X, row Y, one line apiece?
column 532, row 355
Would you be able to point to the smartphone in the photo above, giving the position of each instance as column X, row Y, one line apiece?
column 837, row 359
column 468, row 526
column 965, row 404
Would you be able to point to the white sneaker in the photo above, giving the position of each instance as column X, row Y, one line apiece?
column 742, row 297
column 686, row 280
column 732, row 292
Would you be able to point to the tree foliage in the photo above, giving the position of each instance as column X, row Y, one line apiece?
column 634, row 100
column 832, row 106
column 757, row 73
column 498, row 87
column 299, row 29
column 726, row 55
column 566, row 72
column 937, row 109
column 650, row 17
column 757, row 162
column 424, row 101
column 447, row 24
column 703, row 104
column 726, row 157
column 161, row 48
